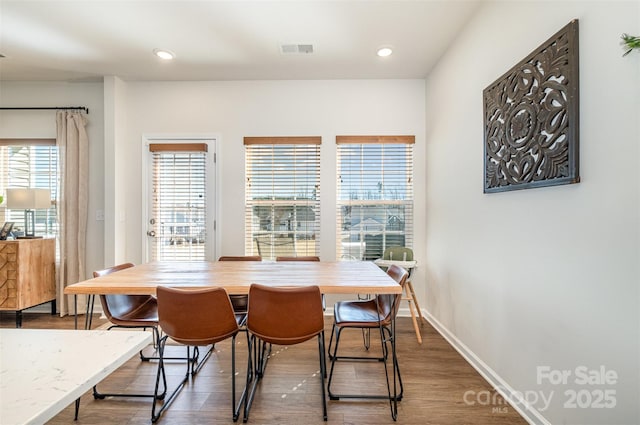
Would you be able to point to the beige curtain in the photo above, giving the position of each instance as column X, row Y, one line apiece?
column 72, row 202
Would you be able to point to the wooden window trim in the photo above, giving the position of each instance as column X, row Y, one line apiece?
column 178, row 147
column 406, row 140
column 294, row 140
column 27, row 142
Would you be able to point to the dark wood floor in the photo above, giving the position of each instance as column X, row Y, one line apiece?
column 435, row 378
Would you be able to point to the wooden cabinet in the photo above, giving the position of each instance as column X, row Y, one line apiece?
column 27, row 275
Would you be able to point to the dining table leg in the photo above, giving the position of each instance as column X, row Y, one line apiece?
column 88, row 320
column 75, row 325
column 75, row 311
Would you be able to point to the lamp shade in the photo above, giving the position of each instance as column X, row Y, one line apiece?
column 28, row 199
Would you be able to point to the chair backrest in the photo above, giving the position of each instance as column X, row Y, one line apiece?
column 398, row 253
column 117, row 306
column 301, row 258
column 389, row 304
column 285, row 316
column 113, row 269
column 271, row 246
column 196, row 316
column 240, row 258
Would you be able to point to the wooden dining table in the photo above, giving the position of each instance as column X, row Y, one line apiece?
column 333, row 277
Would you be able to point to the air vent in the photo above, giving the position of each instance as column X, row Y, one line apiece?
column 296, row 49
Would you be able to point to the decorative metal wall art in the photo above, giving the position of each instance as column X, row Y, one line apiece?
column 531, row 114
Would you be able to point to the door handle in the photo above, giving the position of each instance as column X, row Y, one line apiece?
column 151, row 233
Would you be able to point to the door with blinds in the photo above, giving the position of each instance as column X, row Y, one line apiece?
column 180, row 211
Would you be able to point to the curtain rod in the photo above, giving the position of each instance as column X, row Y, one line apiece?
column 82, row 108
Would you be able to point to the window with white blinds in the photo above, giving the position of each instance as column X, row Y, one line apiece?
column 30, row 163
column 178, row 204
column 282, row 196
column 374, row 195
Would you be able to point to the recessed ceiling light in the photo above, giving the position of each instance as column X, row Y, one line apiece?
column 164, row 54
column 383, row 52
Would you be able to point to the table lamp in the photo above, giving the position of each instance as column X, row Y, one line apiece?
column 28, row 200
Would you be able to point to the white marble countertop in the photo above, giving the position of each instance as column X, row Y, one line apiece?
column 42, row 371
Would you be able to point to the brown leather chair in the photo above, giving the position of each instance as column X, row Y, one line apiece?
column 240, row 302
column 130, row 311
column 283, row 316
column 195, row 318
column 301, row 258
column 379, row 312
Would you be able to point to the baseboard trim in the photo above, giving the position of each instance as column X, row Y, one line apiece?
column 42, row 308
column 46, row 308
column 528, row 412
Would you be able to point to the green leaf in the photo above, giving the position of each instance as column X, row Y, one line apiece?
column 630, row 42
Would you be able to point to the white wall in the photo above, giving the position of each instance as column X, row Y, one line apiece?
column 548, row 276
column 30, row 124
column 232, row 110
column 115, row 117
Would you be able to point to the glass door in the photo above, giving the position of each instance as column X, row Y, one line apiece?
column 180, row 224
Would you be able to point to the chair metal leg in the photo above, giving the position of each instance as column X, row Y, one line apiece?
column 101, row 396
column 190, row 360
column 386, row 336
column 254, row 373
column 195, row 364
column 262, row 355
column 75, row 416
column 259, row 356
column 156, row 339
column 393, row 399
column 366, row 346
column 236, row 407
column 333, row 329
column 88, row 320
column 323, row 373
column 193, row 367
column 167, row 401
column 259, row 352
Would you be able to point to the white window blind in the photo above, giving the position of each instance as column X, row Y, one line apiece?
column 282, row 196
column 178, row 201
column 374, row 195
column 30, row 163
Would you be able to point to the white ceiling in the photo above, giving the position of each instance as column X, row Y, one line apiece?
column 224, row 40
